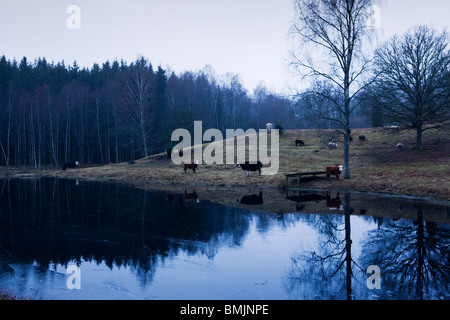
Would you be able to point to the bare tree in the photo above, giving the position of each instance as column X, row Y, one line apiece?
column 139, row 87
column 316, row 111
column 331, row 35
column 413, row 88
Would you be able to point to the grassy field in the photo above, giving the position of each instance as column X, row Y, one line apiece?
column 376, row 165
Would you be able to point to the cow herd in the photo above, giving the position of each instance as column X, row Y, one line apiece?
column 248, row 166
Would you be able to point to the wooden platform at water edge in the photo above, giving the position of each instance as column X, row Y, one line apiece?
column 299, row 175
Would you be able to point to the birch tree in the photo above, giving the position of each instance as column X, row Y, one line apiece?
column 331, row 34
column 139, row 86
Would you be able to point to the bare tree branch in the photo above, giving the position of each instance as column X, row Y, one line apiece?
column 413, row 85
column 337, row 28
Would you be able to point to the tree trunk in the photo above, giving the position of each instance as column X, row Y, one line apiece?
column 420, row 253
column 144, row 138
column 347, row 125
column 419, row 129
column 3, row 150
column 348, row 247
column 67, row 140
column 346, row 155
column 97, row 105
column 9, row 128
column 116, row 134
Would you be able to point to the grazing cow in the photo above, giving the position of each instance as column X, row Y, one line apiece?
column 335, row 203
column 400, row 146
column 191, row 165
column 332, row 145
column 334, row 171
column 191, row 196
column 247, row 166
column 361, row 137
column 251, row 199
column 299, row 142
column 71, row 165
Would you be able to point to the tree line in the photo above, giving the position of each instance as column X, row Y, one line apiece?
column 115, row 112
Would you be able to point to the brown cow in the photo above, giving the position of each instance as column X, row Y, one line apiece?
column 334, row 171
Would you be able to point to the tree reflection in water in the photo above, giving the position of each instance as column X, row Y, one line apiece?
column 413, row 257
column 53, row 222
column 326, row 273
column 50, row 222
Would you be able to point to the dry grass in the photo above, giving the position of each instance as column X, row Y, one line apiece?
column 376, row 166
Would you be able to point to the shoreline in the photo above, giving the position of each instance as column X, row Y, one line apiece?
column 320, row 184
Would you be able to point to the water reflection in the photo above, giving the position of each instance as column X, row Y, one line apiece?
column 413, row 256
column 48, row 223
column 252, row 199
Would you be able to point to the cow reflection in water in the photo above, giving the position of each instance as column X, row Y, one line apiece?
column 191, row 196
column 303, row 197
column 251, row 199
column 334, row 203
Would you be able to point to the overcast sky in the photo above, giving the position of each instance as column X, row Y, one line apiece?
column 245, row 37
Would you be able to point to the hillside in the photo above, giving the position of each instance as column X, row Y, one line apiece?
column 376, row 166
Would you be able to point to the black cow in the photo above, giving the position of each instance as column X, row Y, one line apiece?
column 192, row 165
column 71, row 165
column 299, row 142
column 252, row 199
column 247, row 166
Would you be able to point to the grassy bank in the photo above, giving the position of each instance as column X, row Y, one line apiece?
column 376, row 166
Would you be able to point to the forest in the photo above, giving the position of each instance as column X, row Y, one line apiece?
column 51, row 113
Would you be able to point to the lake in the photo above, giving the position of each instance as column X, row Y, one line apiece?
column 70, row 239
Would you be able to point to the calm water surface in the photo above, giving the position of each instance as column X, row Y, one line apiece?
column 128, row 243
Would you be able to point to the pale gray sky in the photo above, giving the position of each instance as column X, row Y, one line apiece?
column 245, row 37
